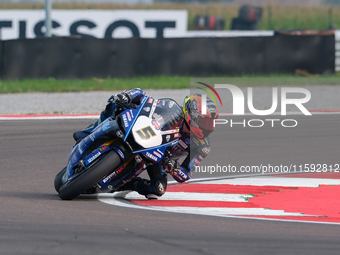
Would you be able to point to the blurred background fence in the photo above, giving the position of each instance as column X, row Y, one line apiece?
column 294, row 38
column 69, row 58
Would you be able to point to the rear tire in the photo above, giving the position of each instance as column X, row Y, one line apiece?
column 90, row 177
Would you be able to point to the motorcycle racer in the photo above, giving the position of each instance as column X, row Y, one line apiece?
column 193, row 144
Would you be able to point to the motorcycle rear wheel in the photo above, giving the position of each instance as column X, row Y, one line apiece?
column 90, row 177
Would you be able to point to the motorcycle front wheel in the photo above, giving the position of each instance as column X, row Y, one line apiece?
column 90, row 177
column 58, row 179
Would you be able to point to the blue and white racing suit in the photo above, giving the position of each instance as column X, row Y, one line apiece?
column 189, row 147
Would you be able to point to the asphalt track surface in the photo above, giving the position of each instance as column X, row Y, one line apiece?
column 33, row 220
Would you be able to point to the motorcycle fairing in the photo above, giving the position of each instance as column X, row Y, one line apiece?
column 96, row 154
column 133, row 114
column 156, row 154
column 107, row 127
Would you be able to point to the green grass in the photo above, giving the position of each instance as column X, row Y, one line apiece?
column 95, row 84
column 159, row 82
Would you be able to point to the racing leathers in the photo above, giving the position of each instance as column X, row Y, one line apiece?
column 189, row 148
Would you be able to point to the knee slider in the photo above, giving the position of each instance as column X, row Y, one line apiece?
column 160, row 187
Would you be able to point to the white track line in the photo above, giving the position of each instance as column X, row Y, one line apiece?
column 111, row 200
column 192, row 196
column 120, row 199
column 227, row 211
column 277, row 181
column 117, row 200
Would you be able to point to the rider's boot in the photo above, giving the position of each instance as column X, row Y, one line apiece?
column 150, row 189
column 80, row 135
column 85, row 132
column 109, row 111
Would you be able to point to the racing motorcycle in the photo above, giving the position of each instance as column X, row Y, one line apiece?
column 120, row 148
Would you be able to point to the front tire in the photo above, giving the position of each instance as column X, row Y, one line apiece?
column 58, row 179
column 90, row 176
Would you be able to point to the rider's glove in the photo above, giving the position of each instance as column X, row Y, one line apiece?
column 170, row 165
column 120, row 100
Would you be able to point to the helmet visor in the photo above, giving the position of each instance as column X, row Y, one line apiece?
column 206, row 132
column 206, row 123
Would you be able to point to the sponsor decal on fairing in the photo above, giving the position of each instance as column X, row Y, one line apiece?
column 91, row 159
column 155, row 124
column 126, row 124
column 128, row 116
column 149, row 155
column 182, row 144
column 157, row 154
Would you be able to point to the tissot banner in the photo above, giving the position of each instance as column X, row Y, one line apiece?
column 96, row 23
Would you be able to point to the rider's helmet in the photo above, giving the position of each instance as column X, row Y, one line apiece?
column 201, row 125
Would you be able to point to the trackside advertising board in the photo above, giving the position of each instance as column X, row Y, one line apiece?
column 16, row 24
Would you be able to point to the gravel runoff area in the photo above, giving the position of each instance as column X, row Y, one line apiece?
column 323, row 98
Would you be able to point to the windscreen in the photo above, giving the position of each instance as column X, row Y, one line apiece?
column 168, row 114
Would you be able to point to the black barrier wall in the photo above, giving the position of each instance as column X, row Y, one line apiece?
column 68, row 58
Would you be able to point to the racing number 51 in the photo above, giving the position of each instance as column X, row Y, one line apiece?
column 145, row 133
